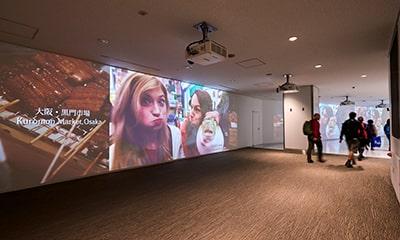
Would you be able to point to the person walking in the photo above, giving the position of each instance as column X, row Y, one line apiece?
column 386, row 129
column 363, row 138
column 372, row 133
column 315, row 138
column 351, row 129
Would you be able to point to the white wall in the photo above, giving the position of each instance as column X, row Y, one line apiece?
column 271, row 108
column 315, row 99
column 298, row 108
column 245, row 105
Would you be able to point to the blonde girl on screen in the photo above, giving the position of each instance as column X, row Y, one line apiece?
column 141, row 134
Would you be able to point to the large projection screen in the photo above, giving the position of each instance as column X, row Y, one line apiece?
column 63, row 118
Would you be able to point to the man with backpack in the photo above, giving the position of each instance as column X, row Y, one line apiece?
column 372, row 133
column 351, row 129
column 311, row 129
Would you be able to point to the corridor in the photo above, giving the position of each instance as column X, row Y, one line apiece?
column 242, row 194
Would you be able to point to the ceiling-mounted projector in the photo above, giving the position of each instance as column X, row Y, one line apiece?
column 288, row 87
column 205, row 51
column 381, row 105
column 347, row 102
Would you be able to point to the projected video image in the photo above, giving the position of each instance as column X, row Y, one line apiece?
column 333, row 116
column 54, row 114
column 157, row 120
column 63, row 118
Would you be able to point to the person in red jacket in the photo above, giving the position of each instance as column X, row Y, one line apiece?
column 363, row 138
column 315, row 138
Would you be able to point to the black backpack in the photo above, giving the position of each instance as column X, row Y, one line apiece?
column 307, row 128
column 351, row 129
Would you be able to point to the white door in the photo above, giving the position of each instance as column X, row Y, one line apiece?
column 256, row 126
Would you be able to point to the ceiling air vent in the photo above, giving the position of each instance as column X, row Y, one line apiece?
column 250, row 63
column 17, row 29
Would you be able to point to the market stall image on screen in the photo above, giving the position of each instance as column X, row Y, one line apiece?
column 54, row 118
column 63, row 118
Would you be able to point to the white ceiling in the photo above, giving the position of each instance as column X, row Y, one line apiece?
column 348, row 37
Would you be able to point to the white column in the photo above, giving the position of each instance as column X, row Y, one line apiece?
column 298, row 108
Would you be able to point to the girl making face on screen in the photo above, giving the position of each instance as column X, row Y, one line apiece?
column 201, row 133
column 141, row 135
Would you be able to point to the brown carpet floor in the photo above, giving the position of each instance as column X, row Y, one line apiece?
column 243, row 194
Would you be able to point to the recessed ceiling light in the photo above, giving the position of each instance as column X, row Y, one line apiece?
column 292, row 39
column 103, row 41
column 318, row 66
column 364, row 76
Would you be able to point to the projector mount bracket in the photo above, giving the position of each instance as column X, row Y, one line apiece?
column 287, row 76
column 205, row 28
